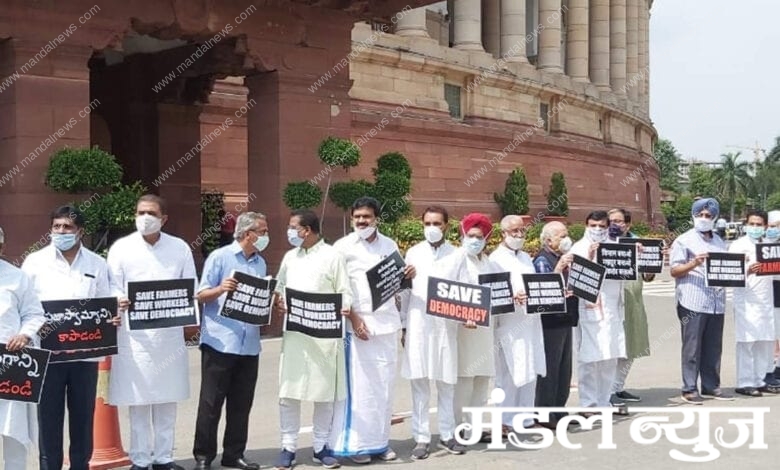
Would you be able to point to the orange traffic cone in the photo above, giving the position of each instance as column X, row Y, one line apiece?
column 107, row 441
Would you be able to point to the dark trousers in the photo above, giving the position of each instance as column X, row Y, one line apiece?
column 229, row 379
column 75, row 382
column 702, row 345
column 553, row 390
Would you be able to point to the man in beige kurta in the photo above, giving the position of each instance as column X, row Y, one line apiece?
column 311, row 369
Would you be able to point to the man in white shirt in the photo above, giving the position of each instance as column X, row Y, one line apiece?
column 151, row 372
column 21, row 316
column 361, row 427
column 65, row 270
column 430, row 343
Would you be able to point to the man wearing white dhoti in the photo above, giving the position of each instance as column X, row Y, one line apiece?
column 754, row 315
column 600, row 336
column 361, row 426
column 519, row 337
column 151, row 372
column 476, row 364
column 430, row 343
column 21, row 316
column 310, row 369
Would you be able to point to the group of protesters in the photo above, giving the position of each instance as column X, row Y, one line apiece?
column 351, row 380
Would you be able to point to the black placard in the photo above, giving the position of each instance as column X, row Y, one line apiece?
column 546, row 293
column 776, row 293
column 651, row 259
column 725, row 270
column 70, row 356
column 768, row 254
column 385, row 279
column 585, row 278
column 458, row 301
column 501, row 295
column 316, row 315
column 251, row 301
column 619, row 259
column 78, row 324
column 22, row 373
column 161, row 304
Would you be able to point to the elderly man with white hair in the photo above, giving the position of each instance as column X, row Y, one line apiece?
column 21, row 316
column 230, row 349
column 518, row 337
column 772, row 235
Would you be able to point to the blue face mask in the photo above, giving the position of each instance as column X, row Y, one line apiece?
column 772, row 233
column 63, row 241
column 474, row 246
column 293, row 238
column 754, row 232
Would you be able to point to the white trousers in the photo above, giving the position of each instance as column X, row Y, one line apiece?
column 290, row 423
column 623, row 367
column 595, row 382
column 421, row 395
column 152, row 429
column 470, row 392
column 14, row 454
column 753, row 361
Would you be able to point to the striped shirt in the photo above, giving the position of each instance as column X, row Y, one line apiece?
column 691, row 289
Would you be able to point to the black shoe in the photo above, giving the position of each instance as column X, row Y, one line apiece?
column 717, row 394
column 241, row 464
column 771, row 389
column 167, row 466
column 771, row 380
column 138, row 467
column 749, row 391
column 615, row 400
column 202, row 464
column 625, row 396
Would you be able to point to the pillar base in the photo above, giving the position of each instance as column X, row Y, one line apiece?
column 412, row 33
column 551, row 69
column 469, row 47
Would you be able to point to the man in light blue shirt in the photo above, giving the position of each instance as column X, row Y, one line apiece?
column 699, row 308
column 230, row 349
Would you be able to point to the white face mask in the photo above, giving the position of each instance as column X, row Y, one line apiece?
column 514, row 243
column 597, row 234
column 433, row 234
column 365, row 232
column 148, row 224
column 261, row 243
column 701, row 224
column 565, row 245
column 474, row 246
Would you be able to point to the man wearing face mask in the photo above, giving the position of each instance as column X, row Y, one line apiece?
column 754, row 315
column 361, row 427
column 475, row 356
column 635, row 324
column 310, row 369
column 699, row 308
column 773, row 236
column 430, row 343
column 230, row 349
column 553, row 389
column 139, row 378
column 65, row 269
column 519, row 342
column 600, row 337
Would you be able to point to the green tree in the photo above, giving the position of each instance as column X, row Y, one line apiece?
column 514, row 200
column 557, row 198
column 668, row 160
column 700, row 180
column 732, row 178
column 764, row 181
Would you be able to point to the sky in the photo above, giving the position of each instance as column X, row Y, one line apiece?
column 715, row 75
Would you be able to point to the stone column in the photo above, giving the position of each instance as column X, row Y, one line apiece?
column 633, row 78
column 412, row 23
column 577, row 40
column 491, row 27
column 599, row 43
column 468, row 25
column 513, row 40
column 617, row 46
column 550, row 37
column 644, row 54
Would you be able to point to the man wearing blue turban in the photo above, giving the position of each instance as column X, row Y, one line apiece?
column 699, row 308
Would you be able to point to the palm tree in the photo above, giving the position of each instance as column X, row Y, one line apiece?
column 732, row 177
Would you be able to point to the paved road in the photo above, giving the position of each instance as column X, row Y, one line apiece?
column 656, row 379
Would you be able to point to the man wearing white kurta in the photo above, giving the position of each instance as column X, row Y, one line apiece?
column 361, row 426
column 21, row 316
column 62, row 270
column 600, row 336
column 151, row 372
column 518, row 335
column 754, row 315
column 430, row 343
column 310, row 369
